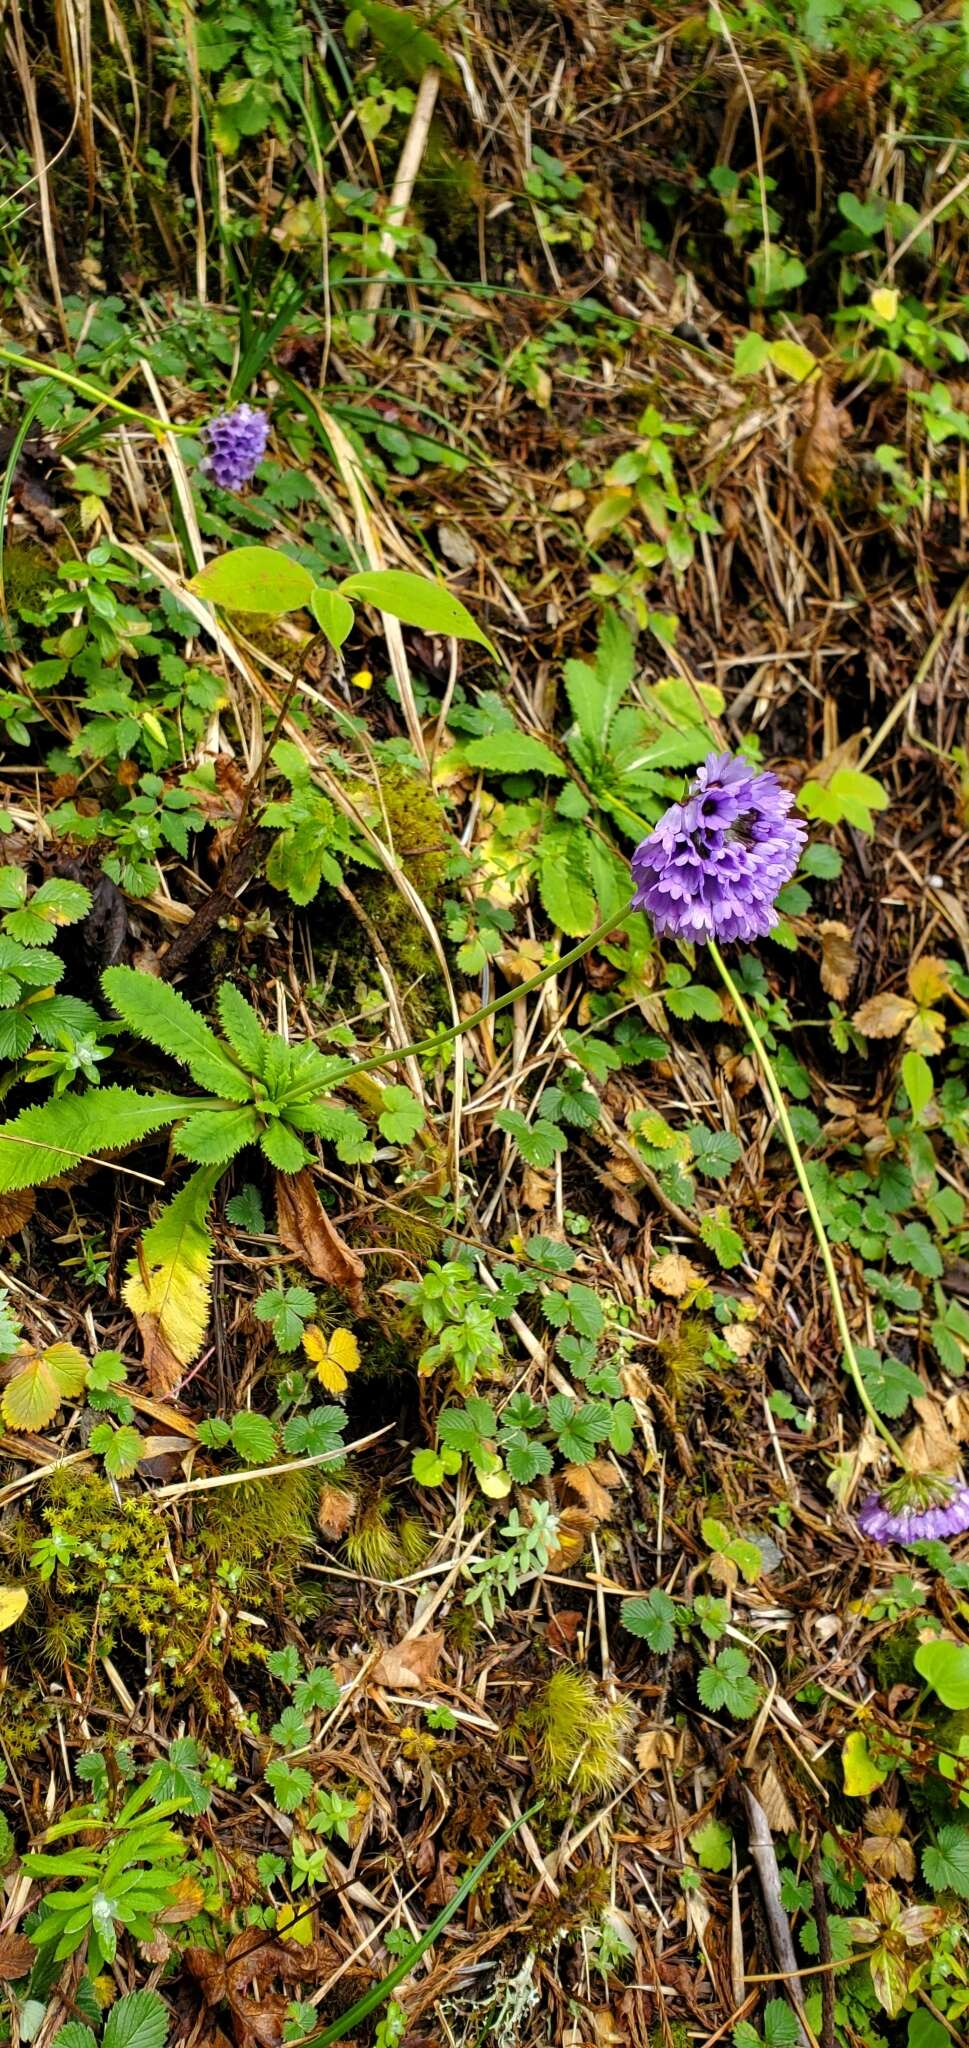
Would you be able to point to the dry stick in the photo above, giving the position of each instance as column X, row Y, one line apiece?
column 764, row 1859
column 411, row 155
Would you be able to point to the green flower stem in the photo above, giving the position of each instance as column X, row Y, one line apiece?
column 783, row 1117
column 87, row 390
column 441, row 1039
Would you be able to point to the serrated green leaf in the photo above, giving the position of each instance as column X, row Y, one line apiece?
column 159, row 1014
column 40, row 1144
column 401, row 1116
column 254, row 1438
column 139, row 2019
column 168, row 1278
column 651, row 1616
column 512, row 753
column 211, row 1137
column 945, row 1863
column 242, row 1028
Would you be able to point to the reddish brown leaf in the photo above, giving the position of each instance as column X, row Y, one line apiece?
column 410, row 1666
column 17, row 1957
column 305, row 1228
column 16, row 1210
column 165, row 1371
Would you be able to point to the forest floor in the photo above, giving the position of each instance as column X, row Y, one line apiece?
column 412, row 1444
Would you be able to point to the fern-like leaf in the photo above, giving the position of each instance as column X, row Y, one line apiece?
column 167, row 1286
column 158, row 1013
column 42, row 1143
column 242, row 1027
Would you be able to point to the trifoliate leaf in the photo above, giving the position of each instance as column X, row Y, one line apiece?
column 41, row 1381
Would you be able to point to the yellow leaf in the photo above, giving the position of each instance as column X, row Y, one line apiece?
column 45, row 1379
column 925, row 1032
column 861, row 1774
column 332, row 1357
column 928, row 980
column 13, row 1600
column 168, row 1278
column 793, row 359
column 884, row 303
column 294, row 1923
column 363, row 680
column 496, row 1485
column 884, row 1016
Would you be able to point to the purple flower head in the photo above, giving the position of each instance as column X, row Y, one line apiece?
column 237, row 444
column 714, row 864
column 915, row 1509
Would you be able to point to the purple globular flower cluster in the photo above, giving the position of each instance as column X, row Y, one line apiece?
column 915, row 1511
column 713, row 866
column 237, row 443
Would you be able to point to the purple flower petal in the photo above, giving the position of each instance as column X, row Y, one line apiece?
column 237, row 443
column 914, row 1521
column 714, row 864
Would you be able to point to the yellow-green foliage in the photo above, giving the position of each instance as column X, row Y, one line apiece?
column 122, row 1563
column 381, row 1550
column 683, row 1359
column 262, row 1523
column 582, row 1734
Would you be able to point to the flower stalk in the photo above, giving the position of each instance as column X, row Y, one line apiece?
column 33, row 368
column 797, row 1160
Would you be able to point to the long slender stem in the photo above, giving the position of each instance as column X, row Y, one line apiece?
column 797, row 1159
column 446, row 1037
column 88, row 390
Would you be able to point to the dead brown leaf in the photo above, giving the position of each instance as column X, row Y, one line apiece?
column 165, row 1371
column 17, row 1957
column 885, row 1847
column 839, row 961
column 16, row 1210
column 929, row 1446
column 410, row 1666
column 336, row 1509
column 594, row 1484
column 653, row 1746
column 774, row 1801
column 817, row 450
column 740, row 1337
column 305, row 1228
column 674, row 1275
column 884, row 1015
column 574, row 1526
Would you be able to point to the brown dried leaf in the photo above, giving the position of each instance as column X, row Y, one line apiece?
column 653, row 1746
column 305, row 1228
column 674, row 1275
column 839, row 961
column 165, row 1371
column 886, row 1849
column 884, row 1016
column 817, row 450
column 17, row 1957
column 774, row 1801
column 537, row 1190
column 337, row 1507
column 16, row 1210
column 410, row 1666
column 575, row 1524
column 930, row 1447
column 740, row 1337
column 595, row 1484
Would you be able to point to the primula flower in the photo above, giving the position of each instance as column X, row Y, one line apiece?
column 237, row 444
column 712, row 867
column 915, row 1509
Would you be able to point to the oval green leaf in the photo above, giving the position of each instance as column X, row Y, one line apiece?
column 416, row 601
column 945, row 1667
column 333, row 615
column 255, row 580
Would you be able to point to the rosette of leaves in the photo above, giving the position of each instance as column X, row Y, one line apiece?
column 259, row 1091
column 30, row 970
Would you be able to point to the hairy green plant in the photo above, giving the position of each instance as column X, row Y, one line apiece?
column 581, row 1734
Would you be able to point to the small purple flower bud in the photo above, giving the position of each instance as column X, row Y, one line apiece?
column 916, row 1509
column 714, row 864
column 237, row 443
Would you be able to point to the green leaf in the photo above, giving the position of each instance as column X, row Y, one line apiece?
column 245, row 1210
column 917, row 1082
column 167, row 1286
column 42, row 1143
column 751, row 354
column 713, row 1843
column 333, row 615
column 122, row 1449
column 563, row 880
column 403, row 35
column 781, row 2026
column 848, row 795
column 242, row 1028
column 862, row 1775
column 254, row 1438
column 720, row 1237
column 283, row 1148
column 417, row 601
column 158, row 1013
column 538, row 1143
column 727, row 1683
column 792, row 359
column 255, row 579
column 945, row 1863
column 211, row 1137
column 402, row 1115
column 512, row 753
column 891, row 1384
column 44, row 1380
column 945, row 1667
column 714, row 1152
column 651, row 1616
column 289, row 1784
column 137, row 2020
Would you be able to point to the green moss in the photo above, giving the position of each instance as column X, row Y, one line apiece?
column 892, row 1659
column 262, row 1523
column 581, row 1734
column 29, row 575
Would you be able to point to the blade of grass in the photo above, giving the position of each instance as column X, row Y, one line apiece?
column 378, row 1993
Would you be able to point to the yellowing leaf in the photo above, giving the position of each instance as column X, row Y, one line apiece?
column 45, row 1379
column 862, row 1775
column 928, row 980
column 168, row 1279
column 294, row 1923
column 884, row 1016
column 674, row 1275
column 792, row 359
column 925, row 1032
column 332, row 1357
column 884, row 303
column 13, row 1600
